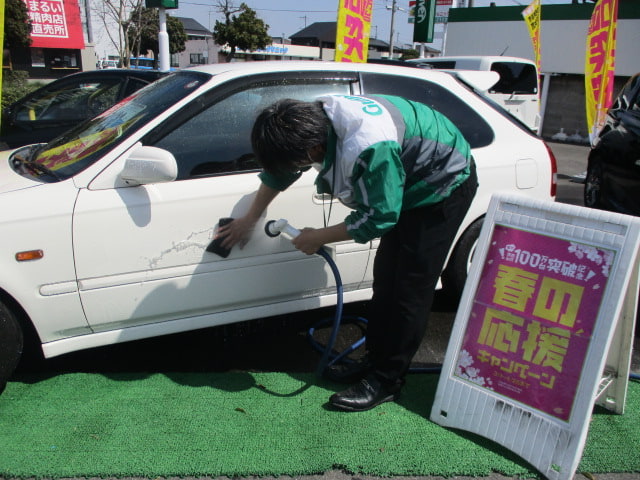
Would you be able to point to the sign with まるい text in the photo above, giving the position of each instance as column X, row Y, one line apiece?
column 544, row 329
column 55, row 24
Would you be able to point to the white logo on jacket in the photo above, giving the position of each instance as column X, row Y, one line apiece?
column 359, row 123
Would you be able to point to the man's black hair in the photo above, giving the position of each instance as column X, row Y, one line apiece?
column 284, row 132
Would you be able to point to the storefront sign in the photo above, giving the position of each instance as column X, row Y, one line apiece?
column 425, row 14
column 55, row 24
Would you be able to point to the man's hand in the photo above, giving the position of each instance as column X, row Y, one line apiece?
column 309, row 241
column 237, row 232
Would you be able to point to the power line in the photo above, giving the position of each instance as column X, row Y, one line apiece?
column 263, row 9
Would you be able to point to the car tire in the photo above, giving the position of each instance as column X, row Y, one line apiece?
column 593, row 185
column 11, row 344
column 455, row 274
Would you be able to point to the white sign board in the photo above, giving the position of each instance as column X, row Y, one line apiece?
column 543, row 331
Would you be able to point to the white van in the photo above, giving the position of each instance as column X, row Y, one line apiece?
column 517, row 90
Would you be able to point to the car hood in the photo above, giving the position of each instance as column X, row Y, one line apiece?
column 9, row 179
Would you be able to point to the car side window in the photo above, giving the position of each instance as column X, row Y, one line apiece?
column 474, row 128
column 217, row 140
column 71, row 102
column 515, row 78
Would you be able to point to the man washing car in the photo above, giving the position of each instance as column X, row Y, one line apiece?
column 407, row 173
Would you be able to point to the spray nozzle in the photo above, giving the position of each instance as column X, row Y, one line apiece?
column 273, row 228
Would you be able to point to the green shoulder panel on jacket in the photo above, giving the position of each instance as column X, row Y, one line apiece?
column 424, row 122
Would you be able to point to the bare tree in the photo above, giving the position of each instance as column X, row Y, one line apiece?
column 114, row 14
column 227, row 8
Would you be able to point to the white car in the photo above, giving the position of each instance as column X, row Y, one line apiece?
column 104, row 230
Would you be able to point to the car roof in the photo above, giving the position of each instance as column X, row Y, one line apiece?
column 116, row 72
column 289, row 65
column 492, row 58
column 475, row 78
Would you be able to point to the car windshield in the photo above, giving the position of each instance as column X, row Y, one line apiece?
column 80, row 147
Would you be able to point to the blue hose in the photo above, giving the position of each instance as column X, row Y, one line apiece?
column 328, row 357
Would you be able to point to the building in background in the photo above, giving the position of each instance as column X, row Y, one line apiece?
column 502, row 31
column 323, row 36
column 200, row 47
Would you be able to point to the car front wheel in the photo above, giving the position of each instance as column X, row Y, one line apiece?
column 11, row 343
column 455, row 275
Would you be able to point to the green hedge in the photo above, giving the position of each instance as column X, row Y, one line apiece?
column 15, row 86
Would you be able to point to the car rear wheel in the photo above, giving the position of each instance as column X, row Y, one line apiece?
column 11, row 343
column 455, row 275
column 593, row 185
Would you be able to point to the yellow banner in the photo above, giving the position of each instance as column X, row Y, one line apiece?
column 352, row 32
column 600, row 63
column 532, row 16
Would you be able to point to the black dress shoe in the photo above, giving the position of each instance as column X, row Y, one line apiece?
column 365, row 395
column 349, row 373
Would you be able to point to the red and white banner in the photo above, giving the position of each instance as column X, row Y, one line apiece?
column 55, row 24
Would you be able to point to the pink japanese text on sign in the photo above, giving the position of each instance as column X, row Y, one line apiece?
column 353, row 29
column 600, row 63
column 533, row 317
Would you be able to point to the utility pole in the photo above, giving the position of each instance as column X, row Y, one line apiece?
column 163, row 41
column 393, row 18
column 163, row 35
column 87, row 13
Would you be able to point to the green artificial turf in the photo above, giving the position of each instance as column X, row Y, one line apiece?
column 240, row 424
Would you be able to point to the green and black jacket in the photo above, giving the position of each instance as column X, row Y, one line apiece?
column 384, row 155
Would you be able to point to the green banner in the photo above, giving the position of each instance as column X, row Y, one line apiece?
column 425, row 14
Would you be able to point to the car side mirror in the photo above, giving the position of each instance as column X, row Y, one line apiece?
column 149, row 165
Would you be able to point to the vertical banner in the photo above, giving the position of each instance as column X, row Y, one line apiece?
column 600, row 64
column 532, row 16
column 55, row 24
column 425, row 15
column 1, row 42
column 352, row 30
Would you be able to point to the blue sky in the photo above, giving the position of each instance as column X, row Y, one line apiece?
column 289, row 16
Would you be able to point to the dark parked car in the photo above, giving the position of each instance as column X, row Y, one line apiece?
column 53, row 109
column 613, row 171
